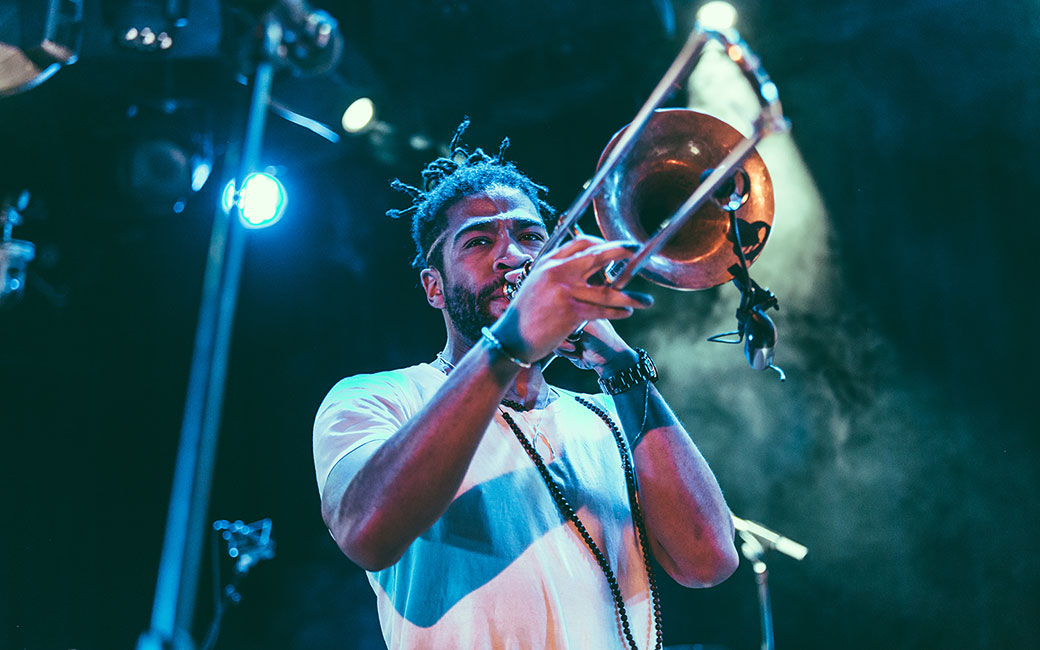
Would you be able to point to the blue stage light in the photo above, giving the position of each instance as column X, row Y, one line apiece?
column 200, row 174
column 262, row 200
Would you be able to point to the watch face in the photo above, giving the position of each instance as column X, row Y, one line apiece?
column 651, row 369
column 648, row 365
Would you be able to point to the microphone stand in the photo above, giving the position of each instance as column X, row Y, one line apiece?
column 756, row 540
column 755, row 553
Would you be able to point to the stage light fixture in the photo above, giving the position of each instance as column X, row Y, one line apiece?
column 420, row 142
column 359, row 115
column 37, row 38
column 717, row 15
column 262, row 200
column 200, row 175
column 166, row 153
column 147, row 25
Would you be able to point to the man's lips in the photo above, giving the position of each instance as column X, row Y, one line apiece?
column 499, row 293
column 498, row 300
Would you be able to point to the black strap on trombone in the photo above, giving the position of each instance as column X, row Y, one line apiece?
column 754, row 327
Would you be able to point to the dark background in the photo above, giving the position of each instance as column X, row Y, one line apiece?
column 901, row 450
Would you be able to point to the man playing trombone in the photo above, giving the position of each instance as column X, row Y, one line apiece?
column 490, row 509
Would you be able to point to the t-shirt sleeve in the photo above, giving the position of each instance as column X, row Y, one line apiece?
column 357, row 411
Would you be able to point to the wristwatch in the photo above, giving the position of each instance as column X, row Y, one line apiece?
column 644, row 370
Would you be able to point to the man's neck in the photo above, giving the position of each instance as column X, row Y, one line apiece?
column 529, row 388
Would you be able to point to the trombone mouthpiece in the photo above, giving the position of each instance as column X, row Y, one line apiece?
column 519, row 275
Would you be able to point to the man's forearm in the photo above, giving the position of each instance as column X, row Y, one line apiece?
column 689, row 523
column 409, row 482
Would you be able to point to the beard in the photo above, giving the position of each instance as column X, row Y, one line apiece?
column 471, row 311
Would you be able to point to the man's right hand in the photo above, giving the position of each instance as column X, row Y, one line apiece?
column 557, row 297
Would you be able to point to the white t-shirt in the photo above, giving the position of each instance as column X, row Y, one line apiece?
column 501, row 569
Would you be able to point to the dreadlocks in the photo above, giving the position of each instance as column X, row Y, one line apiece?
column 448, row 179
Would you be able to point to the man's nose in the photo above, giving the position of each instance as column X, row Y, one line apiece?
column 513, row 256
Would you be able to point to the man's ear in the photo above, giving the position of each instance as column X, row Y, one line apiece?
column 433, row 284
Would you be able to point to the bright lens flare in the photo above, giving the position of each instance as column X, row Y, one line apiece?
column 262, row 200
column 717, row 15
column 358, row 115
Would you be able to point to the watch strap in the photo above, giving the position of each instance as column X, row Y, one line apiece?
column 642, row 371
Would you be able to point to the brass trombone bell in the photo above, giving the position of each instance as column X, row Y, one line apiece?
column 675, row 152
column 687, row 166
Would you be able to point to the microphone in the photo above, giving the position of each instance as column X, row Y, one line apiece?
column 754, row 327
column 759, row 338
column 769, row 539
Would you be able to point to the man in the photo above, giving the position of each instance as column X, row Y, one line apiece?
column 491, row 509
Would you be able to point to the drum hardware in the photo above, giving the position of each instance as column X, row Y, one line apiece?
column 15, row 254
column 247, row 544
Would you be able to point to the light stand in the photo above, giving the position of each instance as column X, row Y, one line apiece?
column 174, row 604
column 173, row 607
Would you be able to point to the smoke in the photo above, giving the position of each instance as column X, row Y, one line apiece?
column 902, row 494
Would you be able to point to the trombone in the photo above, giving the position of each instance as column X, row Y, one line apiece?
column 682, row 145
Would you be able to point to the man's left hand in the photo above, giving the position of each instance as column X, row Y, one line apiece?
column 599, row 348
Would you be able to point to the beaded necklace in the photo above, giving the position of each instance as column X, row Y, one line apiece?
column 571, row 515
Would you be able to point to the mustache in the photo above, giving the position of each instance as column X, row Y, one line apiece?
column 486, row 291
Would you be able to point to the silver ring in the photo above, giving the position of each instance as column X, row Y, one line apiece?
column 575, row 336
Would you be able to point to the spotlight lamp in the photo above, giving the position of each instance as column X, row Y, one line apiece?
column 261, row 202
column 359, row 115
column 717, row 15
column 166, row 155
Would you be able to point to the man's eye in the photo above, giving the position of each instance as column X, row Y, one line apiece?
column 532, row 236
column 477, row 241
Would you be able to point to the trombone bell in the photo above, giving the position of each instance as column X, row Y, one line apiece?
column 673, row 155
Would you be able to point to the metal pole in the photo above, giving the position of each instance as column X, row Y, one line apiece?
column 753, row 550
column 174, row 603
column 765, row 609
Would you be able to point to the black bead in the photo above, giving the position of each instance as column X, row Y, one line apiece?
column 637, row 516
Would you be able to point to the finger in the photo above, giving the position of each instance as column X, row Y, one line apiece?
column 644, row 299
column 596, row 258
column 567, row 347
column 590, row 310
column 609, row 297
column 575, row 245
column 568, row 250
column 597, row 328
